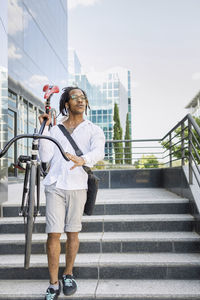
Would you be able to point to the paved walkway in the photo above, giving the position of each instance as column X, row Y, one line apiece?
column 15, row 194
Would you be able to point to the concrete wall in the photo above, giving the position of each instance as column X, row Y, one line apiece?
column 130, row 178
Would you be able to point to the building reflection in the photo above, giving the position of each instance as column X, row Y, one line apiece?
column 34, row 52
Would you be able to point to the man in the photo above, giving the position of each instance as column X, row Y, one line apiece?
column 66, row 184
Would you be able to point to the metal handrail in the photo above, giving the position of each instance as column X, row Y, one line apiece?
column 186, row 139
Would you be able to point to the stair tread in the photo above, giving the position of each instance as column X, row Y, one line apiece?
column 115, row 288
column 108, row 259
column 125, row 201
column 106, row 288
column 109, row 236
column 148, row 287
column 113, row 218
column 103, row 194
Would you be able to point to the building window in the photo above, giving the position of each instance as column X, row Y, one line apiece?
column 12, row 152
column 109, row 93
column 105, row 119
column 12, row 99
column 94, row 119
column 32, row 120
column 116, row 85
column 110, row 85
column 99, row 119
column 116, row 93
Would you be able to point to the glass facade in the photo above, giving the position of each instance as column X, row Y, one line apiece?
column 37, row 44
column 37, row 55
column 3, row 101
column 23, row 111
column 114, row 87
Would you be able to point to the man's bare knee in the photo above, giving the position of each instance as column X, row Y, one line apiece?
column 72, row 236
column 54, row 236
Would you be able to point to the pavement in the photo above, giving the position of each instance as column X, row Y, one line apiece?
column 15, row 191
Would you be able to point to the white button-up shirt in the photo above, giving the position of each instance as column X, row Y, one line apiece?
column 91, row 141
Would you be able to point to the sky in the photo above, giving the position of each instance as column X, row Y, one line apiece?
column 158, row 40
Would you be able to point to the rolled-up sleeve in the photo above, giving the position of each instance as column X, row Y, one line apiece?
column 46, row 147
column 97, row 147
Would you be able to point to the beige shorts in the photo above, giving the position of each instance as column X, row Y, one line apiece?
column 64, row 209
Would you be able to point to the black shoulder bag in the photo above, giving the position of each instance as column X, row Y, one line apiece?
column 93, row 181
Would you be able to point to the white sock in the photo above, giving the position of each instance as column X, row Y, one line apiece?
column 54, row 286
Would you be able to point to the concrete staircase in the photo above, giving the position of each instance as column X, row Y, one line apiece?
column 140, row 244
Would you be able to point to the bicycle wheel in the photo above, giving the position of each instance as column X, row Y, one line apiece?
column 30, row 212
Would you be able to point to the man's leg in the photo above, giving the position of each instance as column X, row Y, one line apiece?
column 72, row 246
column 76, row 202
column 53, row 253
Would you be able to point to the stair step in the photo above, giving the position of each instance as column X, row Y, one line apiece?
column 161, row 222
column 106, row 289
column 120, row 206
column 109, row 266
column 110, row 242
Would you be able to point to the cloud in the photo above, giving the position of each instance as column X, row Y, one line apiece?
column 36, row 81
column 63, row 82
column 72, row 4
column 18, row 17
column 196, row 76
column 13, row 52
column 15, row 15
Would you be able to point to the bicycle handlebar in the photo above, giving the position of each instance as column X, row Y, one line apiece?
column 33, row 136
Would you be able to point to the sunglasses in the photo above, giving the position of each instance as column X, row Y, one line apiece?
column 76, row 98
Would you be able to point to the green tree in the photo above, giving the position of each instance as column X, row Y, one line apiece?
column 118, row 147
column 146, row 162
column 176, row 147
column 127, row 149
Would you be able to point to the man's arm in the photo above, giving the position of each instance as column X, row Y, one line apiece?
column 97, row 149
column 46, row 147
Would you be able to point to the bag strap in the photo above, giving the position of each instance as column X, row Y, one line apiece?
column 74, row 145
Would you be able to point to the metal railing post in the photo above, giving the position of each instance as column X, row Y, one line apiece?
column 182, row 145
column 170, row 150
column 190, row 151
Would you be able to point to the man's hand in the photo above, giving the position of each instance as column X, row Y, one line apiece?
column 45, row 116
column 78, row 161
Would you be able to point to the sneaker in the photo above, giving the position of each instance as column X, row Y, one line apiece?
column 52, row 294
column 69, row 285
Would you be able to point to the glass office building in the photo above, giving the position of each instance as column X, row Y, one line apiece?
column 3, row 101
column 36, row 53
column 115, row 87
column 37, row 43
column 112, row 86
column 194, row 106
column 23, row 111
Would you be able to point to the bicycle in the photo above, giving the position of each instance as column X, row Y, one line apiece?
column 29, row 207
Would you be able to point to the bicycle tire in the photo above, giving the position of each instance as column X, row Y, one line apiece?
column 30, row 213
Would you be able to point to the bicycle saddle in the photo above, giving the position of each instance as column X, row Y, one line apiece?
column 49, row 90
